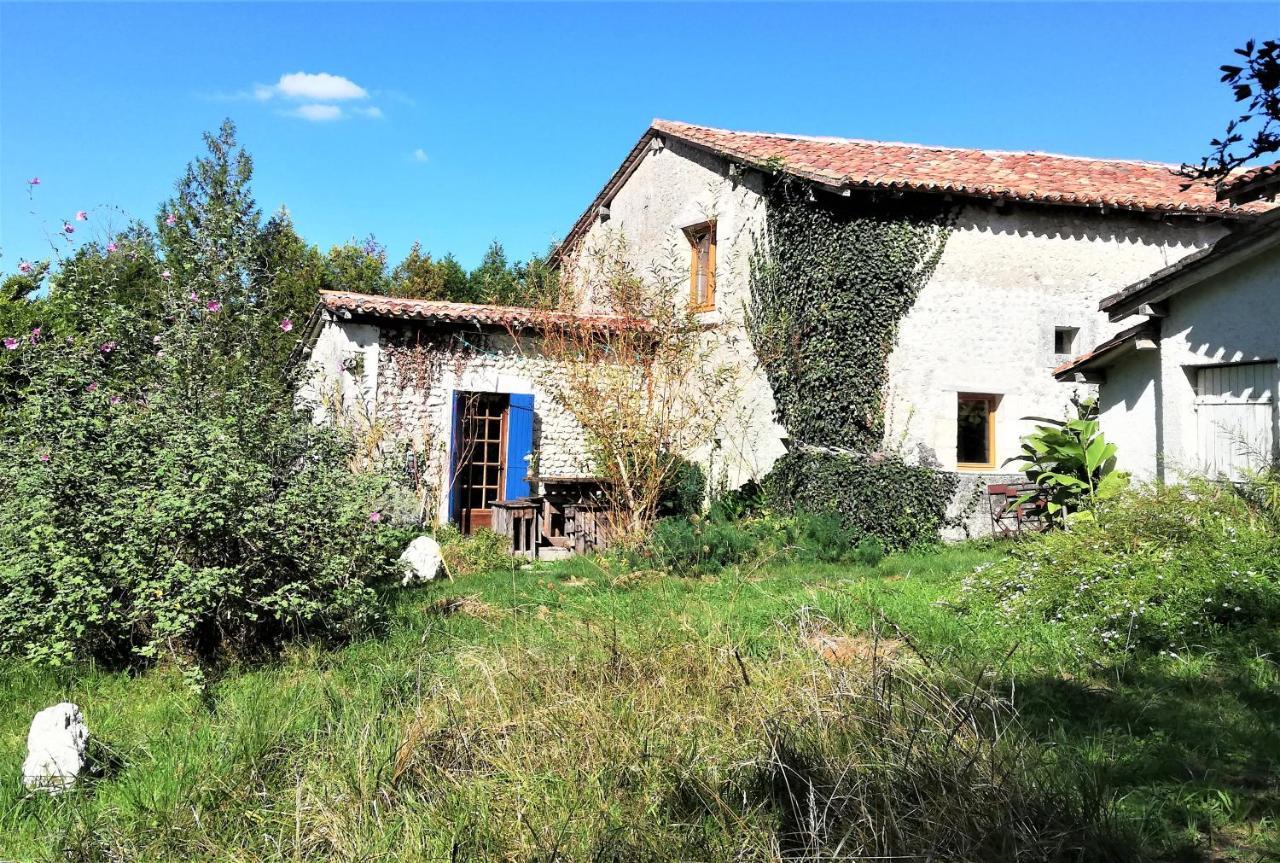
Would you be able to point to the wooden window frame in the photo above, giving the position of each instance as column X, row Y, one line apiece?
column 467, row 453
column 993, row 404
column 694, row 234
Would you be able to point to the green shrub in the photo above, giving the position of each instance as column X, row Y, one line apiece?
column 162, row 497
column 135, row 525
column 746, row 501
column 1072, row 463
column 879, row 496
column 481, row 551
column 700, row 546
column 1159, row 569
column 822, row 537
column 869, row 551
column 685, row 490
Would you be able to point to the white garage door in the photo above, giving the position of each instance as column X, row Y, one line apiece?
column 1235, row 413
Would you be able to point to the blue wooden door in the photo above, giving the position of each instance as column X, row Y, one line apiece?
column 519, row 445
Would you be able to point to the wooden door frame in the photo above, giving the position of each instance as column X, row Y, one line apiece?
column 464, row 486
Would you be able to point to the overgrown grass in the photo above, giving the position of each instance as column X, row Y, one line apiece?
column 579, row 712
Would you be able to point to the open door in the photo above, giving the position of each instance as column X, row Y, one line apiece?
column 481, row 457
column 492, row 439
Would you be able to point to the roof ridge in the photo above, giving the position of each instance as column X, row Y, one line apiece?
column 834, row 139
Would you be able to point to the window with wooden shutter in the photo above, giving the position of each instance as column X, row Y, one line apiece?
column 702, row 270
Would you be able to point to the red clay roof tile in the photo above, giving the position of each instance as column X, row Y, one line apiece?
column 1032, row 177
column 442, row 312
column 1036, row 178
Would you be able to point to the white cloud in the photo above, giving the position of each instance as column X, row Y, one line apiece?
column 312, row 86
column 419, row 155
column 317, row 97
column 316, row 113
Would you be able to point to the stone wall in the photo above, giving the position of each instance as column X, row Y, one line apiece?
column 984, row 323
column 400, row 381
column 970, row 509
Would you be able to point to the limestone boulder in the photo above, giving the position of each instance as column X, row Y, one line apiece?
column 56, row 748
column 422, row 560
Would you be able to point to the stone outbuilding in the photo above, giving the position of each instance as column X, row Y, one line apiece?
column 460, row 388
column 1190, row 389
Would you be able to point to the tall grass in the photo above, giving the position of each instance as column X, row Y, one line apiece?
column 797, row 712
column 536, row 729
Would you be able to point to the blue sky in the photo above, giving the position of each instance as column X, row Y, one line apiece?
column 459, row 124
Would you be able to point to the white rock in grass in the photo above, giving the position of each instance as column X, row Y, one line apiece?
column 56, row 748
column 422, row 560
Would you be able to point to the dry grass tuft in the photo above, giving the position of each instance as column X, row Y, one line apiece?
column 471, row 606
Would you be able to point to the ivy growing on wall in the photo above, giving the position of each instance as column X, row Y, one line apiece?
column 830, row 281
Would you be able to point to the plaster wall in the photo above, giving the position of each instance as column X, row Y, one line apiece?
column 671, row 189
column 1150, row 396
column 1127, row 409
column 984, row 323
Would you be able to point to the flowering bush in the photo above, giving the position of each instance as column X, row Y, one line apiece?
column 134, row 526
column 161, row 496
column 1172, row 567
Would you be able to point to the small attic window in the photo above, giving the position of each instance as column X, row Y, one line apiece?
column 702, row 267
column 1064, row 340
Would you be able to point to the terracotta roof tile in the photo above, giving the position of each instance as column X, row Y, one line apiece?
column 475, row 314
column 1035, row 178
column 1250, row 184
column 1020, row 176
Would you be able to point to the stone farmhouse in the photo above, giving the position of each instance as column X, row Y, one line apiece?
column 1037, row 242
column 1191, row 388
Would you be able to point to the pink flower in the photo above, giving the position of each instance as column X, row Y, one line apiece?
column 115, row 400
column 44, row 456
column 213, row 306
column 170, row 219
column 193, row 297
column 35, row 335
column 111, row 247
column 166, row 275
column 286, row 324
column 67, row 229
column 107, row 347
column 92, row 388
column 160, row 354
column 81, row 216
column 11, row 344
column 34, row 181
column 24, row 267
column 155, row 340
column 375, row 517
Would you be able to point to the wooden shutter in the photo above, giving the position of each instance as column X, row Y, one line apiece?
column 455, row 429
column 519, row 445
column 1235, row 416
